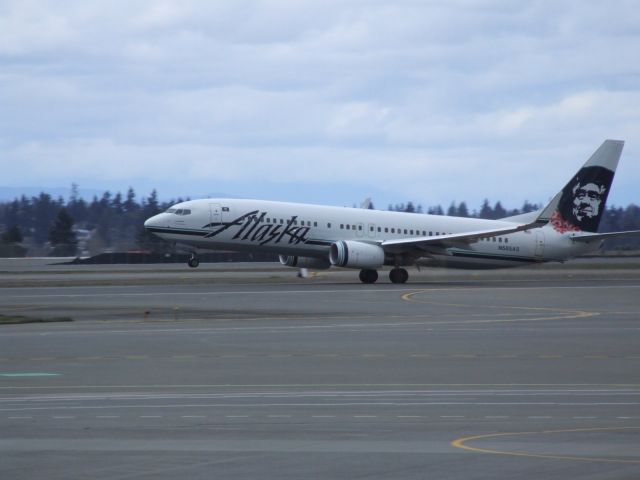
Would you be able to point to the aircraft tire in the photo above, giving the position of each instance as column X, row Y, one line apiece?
column 368, row 276
column 398, row 275
column 193, row 261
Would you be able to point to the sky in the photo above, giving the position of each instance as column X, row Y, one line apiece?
column 318, row 101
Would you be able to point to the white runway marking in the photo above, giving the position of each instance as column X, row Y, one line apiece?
column 319, row 291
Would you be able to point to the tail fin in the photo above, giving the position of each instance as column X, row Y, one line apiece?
column 580, row 204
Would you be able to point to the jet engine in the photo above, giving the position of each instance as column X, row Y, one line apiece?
column 353, row 254
column 305, row 262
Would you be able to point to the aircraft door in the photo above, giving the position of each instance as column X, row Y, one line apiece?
column 539, row 249
column 360, row 230
column 216, row 214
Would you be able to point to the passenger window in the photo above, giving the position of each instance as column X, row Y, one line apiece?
column 393, row 230
column 315, row 224
column 494, row 239
column 281, row 221
column 506, row 240
column 405, row 231
column 360, row 227
column 328, row 225
column 500, row 239
column 341, row 226
column 386, row 229
column 348, row 227
column 379, row 229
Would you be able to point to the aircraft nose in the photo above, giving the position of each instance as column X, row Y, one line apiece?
column 151, row 222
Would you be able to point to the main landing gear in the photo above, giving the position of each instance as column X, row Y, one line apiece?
column 193, row 261
column 368, row 276
column 397, row 275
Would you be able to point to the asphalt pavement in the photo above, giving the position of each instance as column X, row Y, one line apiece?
column 255, row 373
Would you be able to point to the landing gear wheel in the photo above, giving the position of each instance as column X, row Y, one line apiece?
column 368, row 276
column 398, row 275
column 193, row 261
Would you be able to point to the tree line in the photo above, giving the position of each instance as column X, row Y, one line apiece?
column 43, row 225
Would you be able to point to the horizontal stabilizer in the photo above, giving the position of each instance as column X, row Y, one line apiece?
column 603, row 236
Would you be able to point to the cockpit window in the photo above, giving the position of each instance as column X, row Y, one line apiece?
column 179, row 212
column 171, row 210
column 186, row 212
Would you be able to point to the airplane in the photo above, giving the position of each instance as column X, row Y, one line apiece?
column 319, row 237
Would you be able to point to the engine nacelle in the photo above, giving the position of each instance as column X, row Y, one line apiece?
column 305, row 262
column 353, row 254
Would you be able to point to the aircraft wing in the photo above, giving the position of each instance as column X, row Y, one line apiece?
column 603, row 236
column 457, row 238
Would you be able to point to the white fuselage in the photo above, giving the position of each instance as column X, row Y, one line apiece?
column 309, row 230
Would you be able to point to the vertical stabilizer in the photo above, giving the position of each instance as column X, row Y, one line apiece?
column 580, row 204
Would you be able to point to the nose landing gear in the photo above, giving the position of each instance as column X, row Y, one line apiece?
column 193, row 261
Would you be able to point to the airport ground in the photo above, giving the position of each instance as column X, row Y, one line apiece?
column 246, row 371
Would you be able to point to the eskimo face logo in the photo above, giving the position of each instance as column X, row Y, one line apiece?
column 252, row 227
column 583, row 200
column 587, row 200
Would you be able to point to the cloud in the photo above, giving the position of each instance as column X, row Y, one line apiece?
column 427, row 100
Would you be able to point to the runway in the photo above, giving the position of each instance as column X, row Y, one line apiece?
column 253, row 373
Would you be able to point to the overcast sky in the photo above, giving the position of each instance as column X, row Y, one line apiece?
column 327, row 101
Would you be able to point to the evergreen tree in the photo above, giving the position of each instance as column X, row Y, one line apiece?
column 43, row 212
column 499, row 211
column 116, row 204
column 10, row 243
column 151, row 206
column 453, row 210
column 76, row 206
column 62, row 237
column 528, row 207
column 12, row 235
column 130, row 204
column 463, row 211
column 485, row 210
